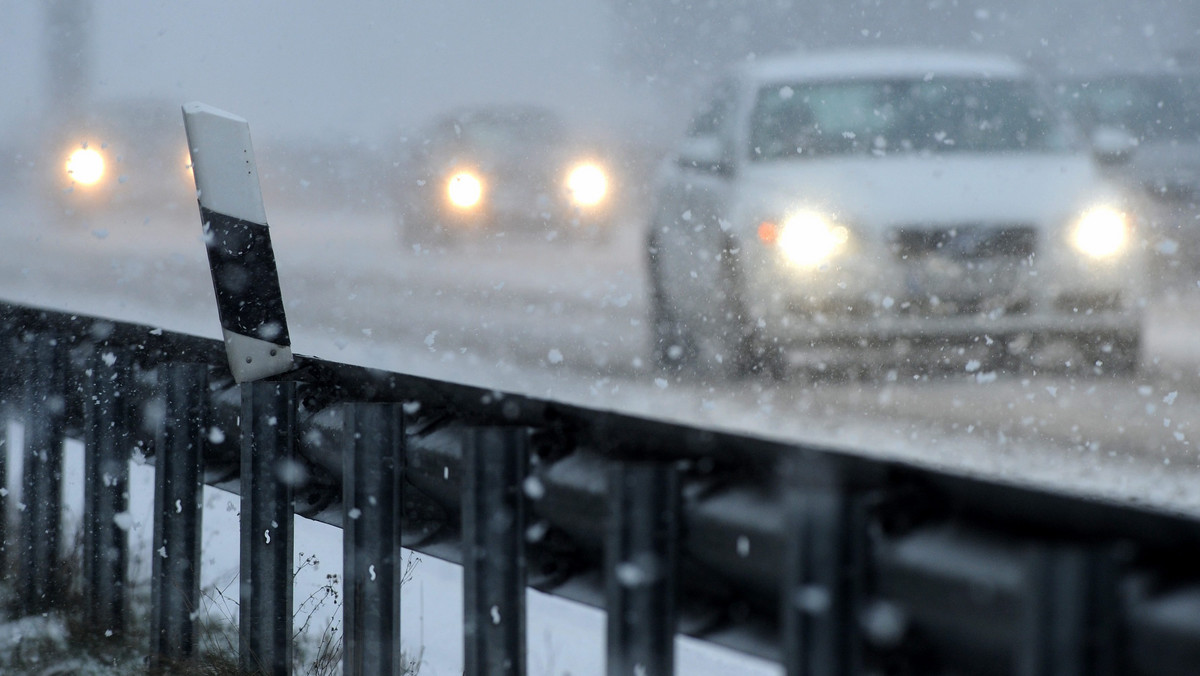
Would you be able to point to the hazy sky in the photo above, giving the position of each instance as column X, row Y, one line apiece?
column 370, row 67
column 358, row 67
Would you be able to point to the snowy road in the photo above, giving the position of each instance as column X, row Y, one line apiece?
column 566, row 320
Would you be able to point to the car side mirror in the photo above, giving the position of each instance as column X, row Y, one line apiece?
column 704, row 153
column 1112, row 145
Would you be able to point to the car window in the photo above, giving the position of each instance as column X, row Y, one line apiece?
column 1152, row 108
column 714, row 117
column 902, row 116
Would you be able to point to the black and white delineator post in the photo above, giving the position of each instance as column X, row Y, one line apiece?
column 250, row 305
column 249, row 300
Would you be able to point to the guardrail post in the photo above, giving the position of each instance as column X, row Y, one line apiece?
column 5, row 443
column 641, row 559
column 10, row 394
column 41, row 485
column 1068, row 624
column 823, row 573
column 493, row 530
column 105, row 491
column 267, row 483
column 178, row 477
column 372, row 493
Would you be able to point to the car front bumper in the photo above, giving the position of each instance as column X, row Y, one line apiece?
column 933, row 314
column 955, row 341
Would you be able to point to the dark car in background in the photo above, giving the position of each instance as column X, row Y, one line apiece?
column 122, row 156
column 1148, row 123
column 501, row 171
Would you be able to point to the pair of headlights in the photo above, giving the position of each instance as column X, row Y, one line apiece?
column 586, row 185
column 809, row 239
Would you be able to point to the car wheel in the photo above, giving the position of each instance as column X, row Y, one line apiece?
column 743, row 348
column 672, row 345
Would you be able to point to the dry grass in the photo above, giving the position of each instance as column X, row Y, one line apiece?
column 60, row 643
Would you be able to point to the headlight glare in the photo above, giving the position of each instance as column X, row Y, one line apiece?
column 85, row 166
column 807, row 239
column 587, row 185
column 464, row 190
column 1102, row 232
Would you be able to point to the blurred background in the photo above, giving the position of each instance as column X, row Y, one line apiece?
column 334, row 90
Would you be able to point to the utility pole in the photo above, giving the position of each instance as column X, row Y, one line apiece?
column 68, row 55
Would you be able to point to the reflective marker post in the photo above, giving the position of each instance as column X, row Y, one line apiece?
column 372, row 493
column 41, row 485
column 641, row 560
column 178, row 486
column 240, row 255
column 257, row 345
column 493, row 542
column 268, row 475
column 105, row 491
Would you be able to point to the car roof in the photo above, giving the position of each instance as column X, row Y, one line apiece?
column 1131, row 74
column 891, row 63
column 502, row 113
column 1147, row 67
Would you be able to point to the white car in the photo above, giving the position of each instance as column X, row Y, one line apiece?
column 897, row 207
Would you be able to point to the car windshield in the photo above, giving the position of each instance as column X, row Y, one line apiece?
column 1151, row 107
column 503, row 136
column 936, row 115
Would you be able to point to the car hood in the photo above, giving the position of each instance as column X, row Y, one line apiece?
column 874, row 192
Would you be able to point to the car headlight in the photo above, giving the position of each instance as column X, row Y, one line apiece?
column 85, row 166
column 1102, row 232
column 806, row 239
column 587, row 185
column 464, row 190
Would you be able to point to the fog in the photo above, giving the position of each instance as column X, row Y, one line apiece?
column 360, row 68
column 368, row 68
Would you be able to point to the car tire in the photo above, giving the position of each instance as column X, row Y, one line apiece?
column 728, row 332
column 746, row 352
column 672, row 346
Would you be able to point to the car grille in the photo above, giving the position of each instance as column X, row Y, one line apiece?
column 913, row 306
column 963, row 270
column 1088, row 303
column 964, row 242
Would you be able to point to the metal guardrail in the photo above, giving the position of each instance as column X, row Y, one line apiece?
column 830, row 563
